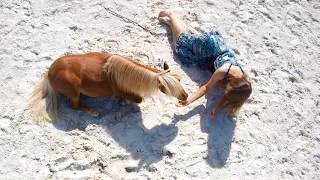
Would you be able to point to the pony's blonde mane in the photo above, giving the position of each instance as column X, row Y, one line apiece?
column 138, row 80
column 130, row 77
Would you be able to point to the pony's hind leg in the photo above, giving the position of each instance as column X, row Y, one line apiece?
column 68, row 83
column 74, row 104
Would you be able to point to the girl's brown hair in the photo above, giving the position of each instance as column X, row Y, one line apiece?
column 238, row 91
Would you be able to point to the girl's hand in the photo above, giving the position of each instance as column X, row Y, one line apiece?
column 213, row 114
column 182, row 103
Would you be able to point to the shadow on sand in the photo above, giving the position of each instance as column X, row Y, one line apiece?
column 220, row 132
column 125, row 125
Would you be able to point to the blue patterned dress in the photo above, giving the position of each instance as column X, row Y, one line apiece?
column 207, row 50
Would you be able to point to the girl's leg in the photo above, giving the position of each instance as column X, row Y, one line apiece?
column 170, row 19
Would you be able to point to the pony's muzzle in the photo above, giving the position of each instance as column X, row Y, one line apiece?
column 183, row 97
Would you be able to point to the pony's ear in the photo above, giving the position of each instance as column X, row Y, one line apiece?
column 165, row 66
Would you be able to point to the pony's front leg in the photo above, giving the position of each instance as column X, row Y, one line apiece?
column 129, row 98
column 124, row 101
column 74, row 103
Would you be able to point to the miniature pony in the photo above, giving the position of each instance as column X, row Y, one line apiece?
column 99, row 75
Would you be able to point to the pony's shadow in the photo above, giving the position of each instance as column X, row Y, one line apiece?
column 124, row 124
column 220, row 129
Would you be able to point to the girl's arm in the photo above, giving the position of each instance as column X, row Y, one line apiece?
column 217, row 107
column 218, row 75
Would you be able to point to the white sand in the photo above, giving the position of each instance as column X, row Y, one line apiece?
column 276, row 135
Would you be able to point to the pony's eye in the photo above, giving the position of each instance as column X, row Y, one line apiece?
column 162, row 89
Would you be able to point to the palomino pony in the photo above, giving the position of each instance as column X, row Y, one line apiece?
column 99, row 75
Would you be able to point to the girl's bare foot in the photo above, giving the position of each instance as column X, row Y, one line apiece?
column 164, row 17
column 165, row 13
column 171, row 20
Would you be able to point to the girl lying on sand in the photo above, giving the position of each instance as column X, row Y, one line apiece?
column 209, row 50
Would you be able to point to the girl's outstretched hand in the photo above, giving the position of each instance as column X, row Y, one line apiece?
column 182, row 103
column 213, row 114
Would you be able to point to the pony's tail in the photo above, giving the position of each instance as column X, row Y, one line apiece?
column 45, row 102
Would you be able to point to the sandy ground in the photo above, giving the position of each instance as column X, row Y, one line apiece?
column 276, row 135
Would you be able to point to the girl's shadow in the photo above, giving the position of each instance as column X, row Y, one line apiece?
column 124, row 124
column 220, row 132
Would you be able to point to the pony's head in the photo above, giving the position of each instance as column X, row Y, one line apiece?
column 169, row 83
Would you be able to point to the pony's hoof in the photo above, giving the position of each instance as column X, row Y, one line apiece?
column 94, row 113
column 124, row 102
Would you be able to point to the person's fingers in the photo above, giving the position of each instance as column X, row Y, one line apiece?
column 212, row 114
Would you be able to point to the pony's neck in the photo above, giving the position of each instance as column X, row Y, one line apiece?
column 131, row 76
